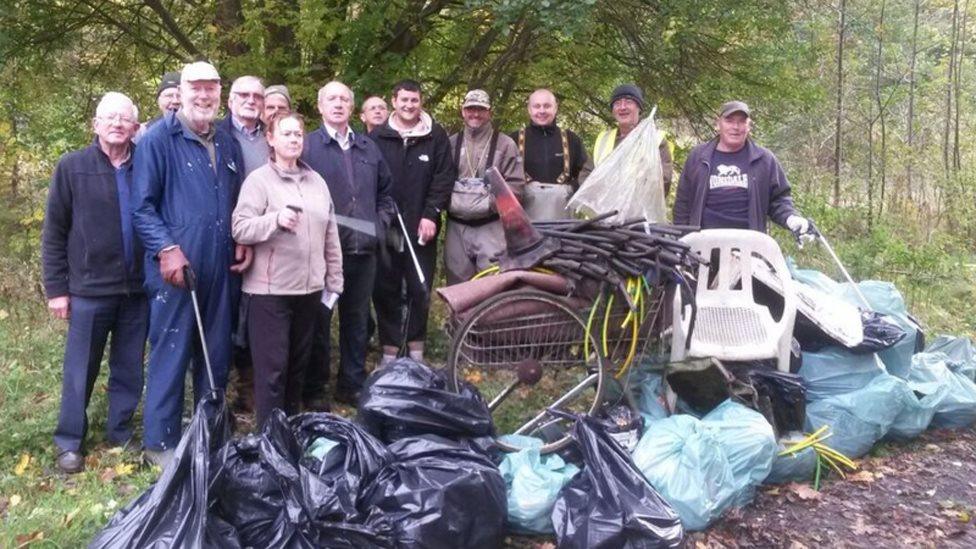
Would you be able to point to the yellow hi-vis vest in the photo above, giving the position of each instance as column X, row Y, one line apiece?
column 605, row 142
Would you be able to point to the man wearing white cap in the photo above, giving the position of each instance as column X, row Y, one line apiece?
column 187, row 177
column 475, row 236
column 731, row 182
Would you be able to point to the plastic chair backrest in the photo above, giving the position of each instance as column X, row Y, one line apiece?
column 730, row 324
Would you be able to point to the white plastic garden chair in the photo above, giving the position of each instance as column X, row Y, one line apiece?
column 729, row 323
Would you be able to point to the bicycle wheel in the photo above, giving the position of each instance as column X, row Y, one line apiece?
column 524, row 351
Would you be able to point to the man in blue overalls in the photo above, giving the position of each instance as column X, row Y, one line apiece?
column 187, row 177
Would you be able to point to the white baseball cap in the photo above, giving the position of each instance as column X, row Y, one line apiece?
column 200, row 70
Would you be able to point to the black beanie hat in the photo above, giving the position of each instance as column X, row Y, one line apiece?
column 170, row 80
column 628, row 90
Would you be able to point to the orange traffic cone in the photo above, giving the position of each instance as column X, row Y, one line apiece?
column 525, row 247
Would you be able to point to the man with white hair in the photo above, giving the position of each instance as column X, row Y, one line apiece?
column 187, row 178
column 360, row 183
column 93, row 278
column 246, row 105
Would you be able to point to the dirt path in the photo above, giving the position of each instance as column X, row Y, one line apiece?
column 919, row 494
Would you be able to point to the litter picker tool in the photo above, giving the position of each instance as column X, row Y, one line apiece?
column 413, row 254
column 813, row 230
column 190, row 279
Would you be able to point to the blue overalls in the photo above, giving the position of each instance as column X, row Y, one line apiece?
column 179, row 198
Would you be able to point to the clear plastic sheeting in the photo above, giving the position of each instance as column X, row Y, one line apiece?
column 629, row 181
column 533, row 482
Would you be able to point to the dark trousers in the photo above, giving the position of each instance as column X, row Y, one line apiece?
column 359, row 272
column 389, row 301
column 92, row 319
column 280, row 329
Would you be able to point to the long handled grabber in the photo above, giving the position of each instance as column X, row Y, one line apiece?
column 815, row 232
column 190, row 279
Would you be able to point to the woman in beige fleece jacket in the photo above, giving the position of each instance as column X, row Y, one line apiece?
column 285, row 212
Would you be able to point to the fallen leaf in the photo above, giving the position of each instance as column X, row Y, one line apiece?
column 866, row 477
column 964, row 516
column 24, row 540
column 21, row 466
column 773, row 491
column 14, row 500
column 803, row 491
column 862, row 529
column 797, row 545
column 930, row 493
column 69, row 517
column 4, row 314
column 107, row 475
column 947, row 504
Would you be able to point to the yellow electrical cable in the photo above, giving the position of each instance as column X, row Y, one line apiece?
column 495, row 268
column 589, row 325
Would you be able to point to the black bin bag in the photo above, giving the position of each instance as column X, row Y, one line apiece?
column 781, row 397
column 880, row 332
column 173, row 511
column 610, row 504
column 331, row 485
column 440, row 493
column 259, row 490
column 408, row 399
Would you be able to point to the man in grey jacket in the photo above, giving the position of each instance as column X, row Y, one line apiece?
column 475, row 236
column 731, row 182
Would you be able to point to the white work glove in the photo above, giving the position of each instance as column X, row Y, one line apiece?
column 800, row 226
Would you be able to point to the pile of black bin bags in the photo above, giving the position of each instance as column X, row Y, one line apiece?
column 418, row 471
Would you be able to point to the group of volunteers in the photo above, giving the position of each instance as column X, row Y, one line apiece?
column 279, row 227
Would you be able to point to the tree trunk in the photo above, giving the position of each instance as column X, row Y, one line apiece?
column 228, row 18
column 911, row 106
column 881, row 116
column 949, row 90
column 956, row 160
column 842, row 22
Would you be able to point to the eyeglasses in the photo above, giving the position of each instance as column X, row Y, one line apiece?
column 118, row 118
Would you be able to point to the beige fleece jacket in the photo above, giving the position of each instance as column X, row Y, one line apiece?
column 288, row 263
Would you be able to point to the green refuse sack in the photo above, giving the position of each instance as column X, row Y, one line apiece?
column 796, row 467
column 533, row 482
column 858, row 419
column 688, row 465
column 834, row 370
column 749, row 442
column 961, row 353
column 957, row 408
column 650, row 398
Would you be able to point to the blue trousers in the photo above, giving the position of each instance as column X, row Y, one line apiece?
column 174, row 344
column 92, row 320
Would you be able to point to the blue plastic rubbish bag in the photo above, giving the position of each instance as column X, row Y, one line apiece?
column 533, row 482
column 688, row 465
column 749, row 444
column 797, row 467
column 650, row 401
column 835, row 370
column 957, row 408
column 858, row 418
column 918, row 412
column 961, row 353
